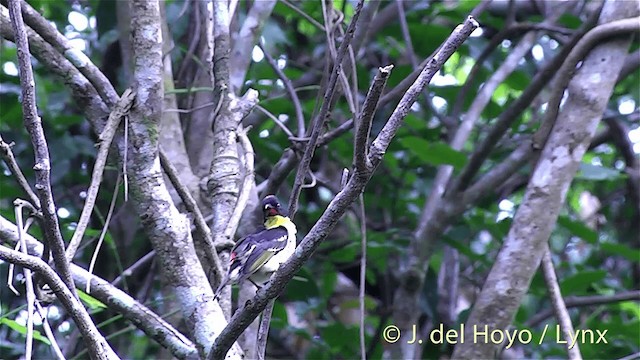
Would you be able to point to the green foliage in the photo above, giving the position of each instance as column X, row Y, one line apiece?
column 594, row 254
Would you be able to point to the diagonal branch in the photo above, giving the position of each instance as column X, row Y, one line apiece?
column 361, row 140
column 145, row 319
column 105, row 138
column 340, row 203
column 559, row 307
column 96, row 343
column 42, row 166
column 327, row 98
column 297, row 106
column 12, row 164
column 507, row 117
column 190, row 203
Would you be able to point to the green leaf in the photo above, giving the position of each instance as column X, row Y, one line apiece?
column 434, row 153
column 598, row 173
column 578, row 228
column 90, row 301
column 580, row 282
column 625, row 251
column 13, row 325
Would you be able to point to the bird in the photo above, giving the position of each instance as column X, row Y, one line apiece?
column 257, row 256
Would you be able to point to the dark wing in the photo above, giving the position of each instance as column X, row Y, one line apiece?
column 262, row 247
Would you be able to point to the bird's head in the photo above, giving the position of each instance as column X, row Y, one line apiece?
column 271, row 207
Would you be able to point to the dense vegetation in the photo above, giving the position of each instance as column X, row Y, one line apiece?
column 455, row 218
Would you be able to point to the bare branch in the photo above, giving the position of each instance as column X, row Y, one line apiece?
column 459, row 35
column 323, row 114
column 560, row 309
column 30, row 292
column 12, row 164
column 247, row 183
column 566, row 71
column 507, row 117
column 263, row 330
column 361, row 140
column 339, row 205
column 297, row 106
column 245, row 40
column 583, row 301
column 190, row 203
column 97, row 345
column 511, row 274
column 42, row 166
column 363, row 275
column 105, row 138
column 146, row 320
column 51, row 35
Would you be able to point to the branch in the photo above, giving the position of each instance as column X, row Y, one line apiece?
column 145, row 319
column 42, row 166
column 583, row 301
column 363, row 276
column 511, row 274
column 245, row 40
column 51, row 35
column 96, row 344
column 106, row 137
column 84, row 94
column 507, row 117
column 361, row 140
column 341, row 202
column 559, row 307
column 247, row 182
column 190, row 204
column 318, row 124
column 165, row 226
column 568, row 68
column 12, row 164
column 289, row 88
column 459, row 35
column 263, row 330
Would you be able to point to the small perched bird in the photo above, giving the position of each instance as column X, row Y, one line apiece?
column 257, row 256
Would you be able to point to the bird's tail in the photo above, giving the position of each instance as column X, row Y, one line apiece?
column 223, row 283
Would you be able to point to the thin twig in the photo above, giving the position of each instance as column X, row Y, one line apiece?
column 560, row 309
column 192, row 207
column 323, row 114
column 363, row 276
column 280, row 124
column 583, row 301
column 42, row 166
column 339, row 205
column 103, row 233
column 98, row 346
column 263, row 330
column 10, row 160
column 29, row 291
column 133, row 268
column 331, row 26
column 125, row 151
column 313, row 21
column 120, row 110
column 49, row 332
column 189, row 111
column 297, row 106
